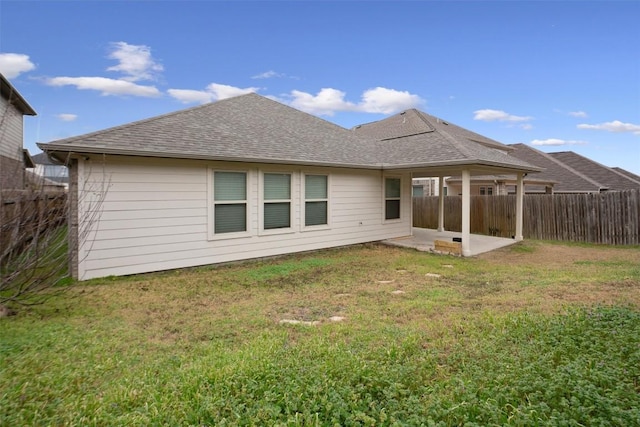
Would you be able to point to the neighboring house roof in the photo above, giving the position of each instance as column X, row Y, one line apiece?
column 568, row 180
column 606, row 176
column 627, row 173
column 10, row 93
column 252, row 128
column 43, row 159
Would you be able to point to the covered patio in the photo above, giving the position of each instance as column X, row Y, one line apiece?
column 428, row 147
column 423, row 239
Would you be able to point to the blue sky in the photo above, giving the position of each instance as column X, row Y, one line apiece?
column 561, row 75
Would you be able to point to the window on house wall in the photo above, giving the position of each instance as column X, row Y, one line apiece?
column 229, row 202
column 316, row 203
column 277, row 201
column 418, row 191
column 486, row 191
column 392, row 198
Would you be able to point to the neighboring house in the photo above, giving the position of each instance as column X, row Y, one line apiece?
column 13, row 158
column 607, row 178
column 564, row 172
column 248, row 177
column 499, row 185
column 55, row 175
column 423, row 187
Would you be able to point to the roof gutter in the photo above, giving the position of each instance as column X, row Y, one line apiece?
column 54, row 150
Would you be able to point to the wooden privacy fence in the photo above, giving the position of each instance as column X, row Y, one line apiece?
column 25, row 214
column 609, row 218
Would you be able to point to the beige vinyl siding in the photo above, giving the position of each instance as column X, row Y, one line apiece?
column 155, row 215
column 11, row 131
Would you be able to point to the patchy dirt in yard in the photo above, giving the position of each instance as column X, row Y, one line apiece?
column 539, row 253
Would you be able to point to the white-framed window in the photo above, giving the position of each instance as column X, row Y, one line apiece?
column 229, row 208
column 276, row 201
column 316, row 200
column 486, row 191
column 392, row 199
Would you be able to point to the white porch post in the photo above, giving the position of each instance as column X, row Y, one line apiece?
column 519, row 206
column 466, row 212
column 440, row 203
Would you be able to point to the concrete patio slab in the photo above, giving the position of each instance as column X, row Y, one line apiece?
column 423, row 240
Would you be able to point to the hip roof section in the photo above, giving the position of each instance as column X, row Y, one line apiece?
column 252, row 128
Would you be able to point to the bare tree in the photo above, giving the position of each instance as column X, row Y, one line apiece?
column 38, row 227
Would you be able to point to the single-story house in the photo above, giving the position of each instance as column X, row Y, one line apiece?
column 248, row 177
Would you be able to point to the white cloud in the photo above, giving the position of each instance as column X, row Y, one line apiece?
column 488, row 115
column 189, row 96
column 377, row 100
column 105, row 85
column 273, row 74
column 225, row 91
column 135, row 62
column 268, row 75
column 527, row 126
column 580, row 114
column 387, row 101
column 326, row 102
column 66, row 117
column 555, row 141
column 213, row 92
column 14, row 64
column 614, row 126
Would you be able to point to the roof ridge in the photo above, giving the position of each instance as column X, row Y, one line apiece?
column 422, row 117
column 460, row 147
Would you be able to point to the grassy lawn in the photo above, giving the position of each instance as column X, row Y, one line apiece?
column 535, row 334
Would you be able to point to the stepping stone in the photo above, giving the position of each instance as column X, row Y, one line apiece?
column 397, row 292
column 447, row 265
column 434, row 275
column 336, row 318
column 401, row 271
column 341, row 295
column 385, row 282
column 298, row 322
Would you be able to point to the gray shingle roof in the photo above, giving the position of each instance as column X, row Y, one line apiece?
column 568, row 180
column 606, row 176
column 244, row 128
column 42, row 159
column 252, row 128
column 627, row 173
column 413, row 137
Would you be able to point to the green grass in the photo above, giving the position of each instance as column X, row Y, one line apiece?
column 511, row 338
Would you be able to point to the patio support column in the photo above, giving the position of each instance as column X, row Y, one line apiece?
column 440, row 203
column 519, row 206
column 466, row 212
